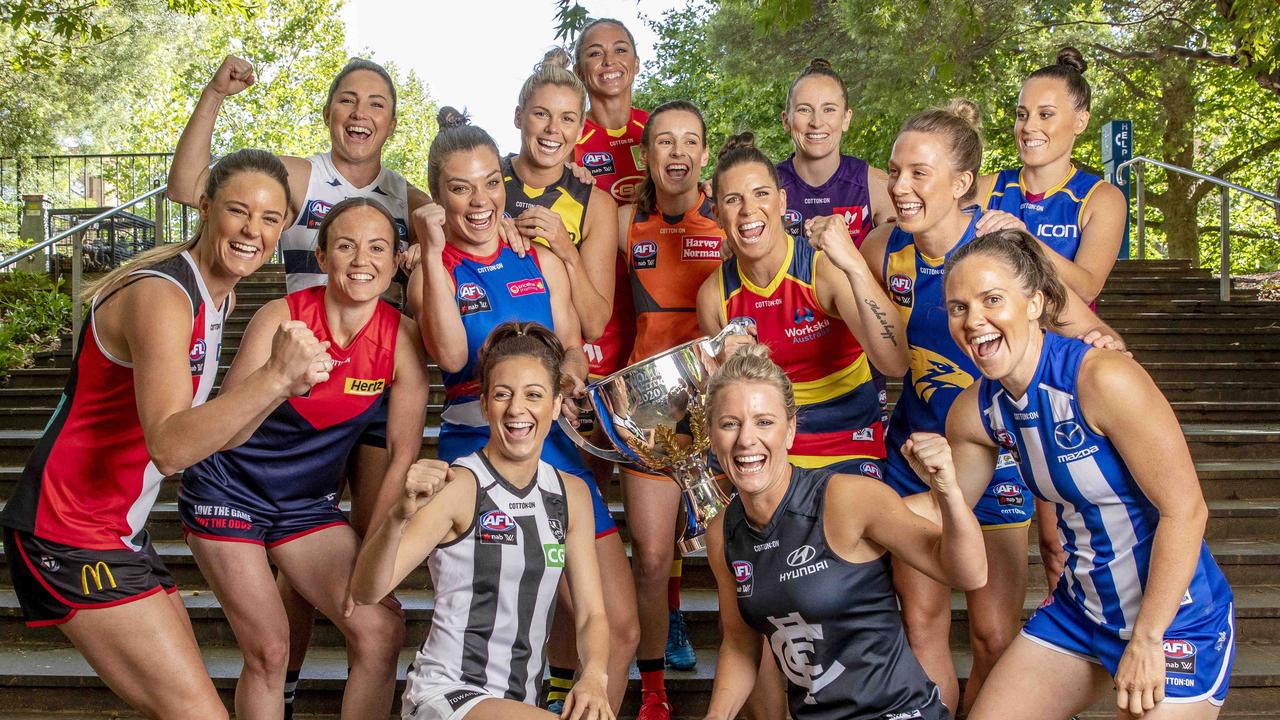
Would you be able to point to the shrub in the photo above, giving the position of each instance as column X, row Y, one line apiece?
column 33, row 316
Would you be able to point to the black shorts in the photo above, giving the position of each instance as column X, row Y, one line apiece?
column 53, row 581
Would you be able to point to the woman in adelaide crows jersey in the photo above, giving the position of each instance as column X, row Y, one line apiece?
column 1141, row 604
column 801, row 557
column 273, row 498
column 134, row 412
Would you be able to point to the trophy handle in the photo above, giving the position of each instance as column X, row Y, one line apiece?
column 737, row 326
column 585, row 444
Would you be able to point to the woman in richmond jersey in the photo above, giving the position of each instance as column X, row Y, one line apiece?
column 1142, row 609
column 801, row 557
column 578, row 222
column 272, row 499
column 496, row 537
column 931, row 171
column 133, row 412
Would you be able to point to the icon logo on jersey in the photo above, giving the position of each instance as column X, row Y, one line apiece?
column 316, row 212
column 496, row 528
column 1068, row 435
column 599, row 163
column 554, row 554
column 50, row 563
column 472, row 299
column 644, row 255
column 801, row 555
column 356, row 386
column 864, row 435
column 96, row 571
column 900, row 289
column 742, row 578
column 871, row 470
column 1008, row 494
column 528, row 286
column 792, row 645
column 625, row 189
column 1180, row 657
column 1047, row 230
column 931, row 372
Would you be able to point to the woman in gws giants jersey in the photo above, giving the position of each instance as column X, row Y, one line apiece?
column 498, row 528
column 932, row 169
column 801, row 557
column 273, row 498
column 1141, row 607
column 134, row 412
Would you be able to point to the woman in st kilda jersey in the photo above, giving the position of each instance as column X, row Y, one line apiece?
column 801, row 557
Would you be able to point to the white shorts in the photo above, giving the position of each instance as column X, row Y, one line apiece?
column 449, row 701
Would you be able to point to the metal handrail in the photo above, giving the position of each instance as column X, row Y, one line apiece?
column 1224, row 277
column 27, row 252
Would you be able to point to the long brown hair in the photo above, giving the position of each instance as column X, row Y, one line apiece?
column 1022, row 254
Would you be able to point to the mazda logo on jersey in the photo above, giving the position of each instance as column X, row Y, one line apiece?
column 1068, row 435
column 801, row 555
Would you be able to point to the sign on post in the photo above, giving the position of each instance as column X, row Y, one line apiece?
column 1117, row 147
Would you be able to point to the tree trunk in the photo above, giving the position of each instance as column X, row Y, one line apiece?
column 1177, row 98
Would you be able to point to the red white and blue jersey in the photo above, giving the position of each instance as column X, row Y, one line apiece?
column 1053, row 216
column 1105, row 522
column 90, row 483
column 299, row 452
column 845, row 193
column 838, row 417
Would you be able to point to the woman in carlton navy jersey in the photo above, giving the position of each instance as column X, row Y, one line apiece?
column 1141, row 607
column 498, row 529
column 801, row 557
column 133, row 412
column 273, row 499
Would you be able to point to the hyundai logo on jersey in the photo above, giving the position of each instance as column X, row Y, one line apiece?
column 1068, row 434
column 644, row 255
column 801, row 555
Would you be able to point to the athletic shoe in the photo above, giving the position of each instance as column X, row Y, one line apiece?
column 555, row 707
column 654, row 707
column 679, row 655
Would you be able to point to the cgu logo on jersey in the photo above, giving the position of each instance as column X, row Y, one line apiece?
column 742, row 578
column 644, row 255
column 528, row 286
column 496, row 528
column 793, row 647
column 316, row 212
column 1049, row 230
column 1008, row 494
column 96, row 571
column 472, row 299
column 598, row 163
column 357, row 386
column 1180, row 657
column 931, row 372
column 197, row 355
column 553, row 553
column 900, row 290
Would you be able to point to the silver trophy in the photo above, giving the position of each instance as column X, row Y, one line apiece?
column 654, row 415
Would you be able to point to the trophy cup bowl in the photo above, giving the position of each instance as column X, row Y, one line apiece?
column 654, row 415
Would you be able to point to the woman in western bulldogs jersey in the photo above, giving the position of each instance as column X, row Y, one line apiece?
column 134, row 412
column 801, row 557
column 272, row 499
column 934, row 162
column 497, row 530
column 1142, row 604
column 1077, row 215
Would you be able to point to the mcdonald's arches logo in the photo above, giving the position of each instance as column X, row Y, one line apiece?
column 96, row 571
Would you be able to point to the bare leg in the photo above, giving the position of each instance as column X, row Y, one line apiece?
column 624, row 624
column 1032, row 682
column 651, row 513
column 995, row 611
column 768, row 699
column 926, row 613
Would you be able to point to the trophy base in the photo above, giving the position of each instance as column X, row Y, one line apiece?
column 688, row 546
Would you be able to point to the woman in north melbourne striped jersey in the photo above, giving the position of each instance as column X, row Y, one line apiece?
column 497, row 528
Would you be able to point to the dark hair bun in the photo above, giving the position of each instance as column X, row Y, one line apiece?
column 557, row 56
column 819, row 64
column 449, row 117
column 741, row 140
column 1071, row 57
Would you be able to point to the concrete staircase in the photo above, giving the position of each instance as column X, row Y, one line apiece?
column 1218, row 363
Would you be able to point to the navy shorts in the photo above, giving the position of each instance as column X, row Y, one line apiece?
column 53, row 581
column 1006, row 503
column 1197, row 654
column 210, row 513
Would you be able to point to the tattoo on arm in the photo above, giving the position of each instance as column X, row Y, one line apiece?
column 886, row 331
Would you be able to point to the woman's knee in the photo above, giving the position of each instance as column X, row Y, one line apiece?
column 375, row 633
column 266, row 654
column 624, row 630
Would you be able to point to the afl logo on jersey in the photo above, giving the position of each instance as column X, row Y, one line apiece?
column 871, row 470
column 198, row 349
column 1068, row 435
column 1008, row 494
column 791, row 217
column 496, row 528
column 742, row 578
column 900, row 289
column 316, row 212
column 1180, row 657
column 599, row 163
column 472, row 299
column 1005, row 439
column 644, row 255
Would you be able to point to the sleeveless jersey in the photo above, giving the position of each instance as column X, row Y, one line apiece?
column 566, row 197
column 1105, row 522
column 669, row 258
column 299, row 452
column 89, row 482
column 838, row 416
column 613, row 156
column 834, row 626
column 844, row 193
column 495, row 589
column 326, row 188
column 1054, row 217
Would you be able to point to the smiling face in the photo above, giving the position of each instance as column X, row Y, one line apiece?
column 549, row 124
column 474, row 197
column 923, row 184
column 992, row 319
column 360, row 117
column 359, row 254
column 608, row 62
column 520, row 404
column 242, row 222
column 750, row 207
column 818, row 117
column 750, row 435
column 1047, row 122
column 676, row 151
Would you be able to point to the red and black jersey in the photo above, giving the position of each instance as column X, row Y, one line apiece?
column 90, row 483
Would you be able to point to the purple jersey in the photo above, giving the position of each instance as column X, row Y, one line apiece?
column 844, row 193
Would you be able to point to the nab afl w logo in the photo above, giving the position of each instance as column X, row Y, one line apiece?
column 791, row 218
column 598, row 163
column 1180, row 657
column 316, row 212
column 741, row 571
column 644, row 255
column 900, row 288
column 497, row 521
column 1068, row 435
column 197, row 355
column 496, row 528
column 472, row 299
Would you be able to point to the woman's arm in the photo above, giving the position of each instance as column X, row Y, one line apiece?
column 254, row 350
column 882, row 210
column 436, row 504
column 873, row 248
column 563, row 316
column 739, row 656
column 443, row 334
column 590, row 693
column 1078, row 321
column 1101, row 233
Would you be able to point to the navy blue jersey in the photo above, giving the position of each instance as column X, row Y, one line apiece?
column 1053, row 216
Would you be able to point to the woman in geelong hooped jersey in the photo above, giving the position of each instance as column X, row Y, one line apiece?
column 1142, row 609
column 134, row 412
column 273, row 498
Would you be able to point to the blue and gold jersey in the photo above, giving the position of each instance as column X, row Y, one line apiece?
column 1053, row 216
